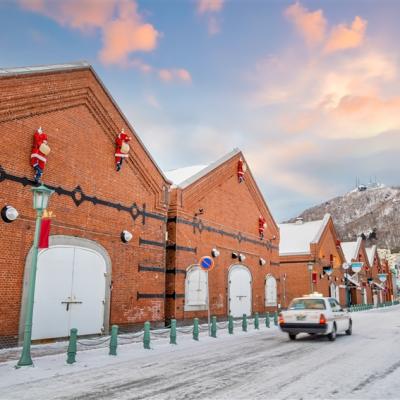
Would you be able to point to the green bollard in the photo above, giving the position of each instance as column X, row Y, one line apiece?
column 196, row 329
column 230, row 325
column 256, row 321
column 71, row 352
column 146, row 335
column 172, row 332
column 244, row 323
column 276, row 318
column 267, row 320
column 214, row 327
column 113, row 340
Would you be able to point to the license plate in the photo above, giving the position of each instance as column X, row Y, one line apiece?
column 300, row 317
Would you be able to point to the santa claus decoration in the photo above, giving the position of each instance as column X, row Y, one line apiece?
column 122, row 148
column 241, row 169
column 262, row 224
column 40, row 151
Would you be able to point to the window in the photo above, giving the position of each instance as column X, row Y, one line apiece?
column 307, row 304
column 270, row 291
column 195, row 289
column 335, row 305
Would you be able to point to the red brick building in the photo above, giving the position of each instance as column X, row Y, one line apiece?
column 310, row 259
column 357, row 281
column 381, row 291
column 88, row 278
column 210, row 208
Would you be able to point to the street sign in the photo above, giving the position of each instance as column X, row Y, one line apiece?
column 382, row 277
column 356, row 266
column 206, row 263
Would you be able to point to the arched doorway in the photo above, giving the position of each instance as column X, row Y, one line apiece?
column 72, row 289
column 239, row 279
column 271, row 293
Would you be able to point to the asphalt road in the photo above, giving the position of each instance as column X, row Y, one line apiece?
column 254, row 365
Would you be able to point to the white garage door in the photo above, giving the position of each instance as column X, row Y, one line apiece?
column 70, row 292
column 239, row 291
column 196, row 289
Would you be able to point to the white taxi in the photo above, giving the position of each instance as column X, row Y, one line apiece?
column 315, row 314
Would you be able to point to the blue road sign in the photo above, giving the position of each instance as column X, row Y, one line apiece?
column 206, row 263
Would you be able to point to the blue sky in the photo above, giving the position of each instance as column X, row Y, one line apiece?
column 308, row 90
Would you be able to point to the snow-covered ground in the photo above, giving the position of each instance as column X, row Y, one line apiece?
column 254, row 365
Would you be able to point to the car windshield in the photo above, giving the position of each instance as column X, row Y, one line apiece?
column 307, row 304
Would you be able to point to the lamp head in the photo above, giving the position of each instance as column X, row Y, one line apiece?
column 41, row 196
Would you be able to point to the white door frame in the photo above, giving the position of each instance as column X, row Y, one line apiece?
column 61, row 240
column 240, row 266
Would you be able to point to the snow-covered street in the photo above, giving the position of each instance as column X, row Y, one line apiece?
column 257, row 364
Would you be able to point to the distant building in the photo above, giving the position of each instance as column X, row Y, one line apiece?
column 311, row 259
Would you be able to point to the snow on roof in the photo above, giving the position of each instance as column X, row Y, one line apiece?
column 183, row 177
column 295, row 238
column 179, row 175
column 350, row 249
column 371, row 254
column 43, row 68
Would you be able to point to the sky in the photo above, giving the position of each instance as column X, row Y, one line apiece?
column 308, row 90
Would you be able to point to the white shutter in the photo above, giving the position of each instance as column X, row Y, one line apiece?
column 270, row 291
column 196, row 287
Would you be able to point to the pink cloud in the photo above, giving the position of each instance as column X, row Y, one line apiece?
column 209, row 6
column 343, row 37
column 169, row 75
column 310, row 24
column 77, row 14
column 126, row 34
column 213, row 26
column 122, row 28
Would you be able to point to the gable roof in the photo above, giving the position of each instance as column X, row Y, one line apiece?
column 371, row 251
column 73, row 66
column 184, row 177
column 295, row 238
column 351, row 249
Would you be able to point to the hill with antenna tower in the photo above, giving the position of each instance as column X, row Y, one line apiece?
column 370, row 210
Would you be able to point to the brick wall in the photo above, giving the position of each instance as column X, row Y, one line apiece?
column 298, row 277
column 228, row 208
column 81, row 122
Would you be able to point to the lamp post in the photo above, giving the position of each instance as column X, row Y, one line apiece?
column 41, row 196
column 346, row 266
column 310, row 267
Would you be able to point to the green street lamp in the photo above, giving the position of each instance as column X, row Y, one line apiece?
column 41, row 196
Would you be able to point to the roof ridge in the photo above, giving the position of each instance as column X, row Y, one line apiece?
column 207, row 169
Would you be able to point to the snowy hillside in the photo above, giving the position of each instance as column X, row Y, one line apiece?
column 373, row 211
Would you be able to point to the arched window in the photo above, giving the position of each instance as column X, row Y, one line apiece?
column 271, row 294
column 332, row 290
column 195, row 289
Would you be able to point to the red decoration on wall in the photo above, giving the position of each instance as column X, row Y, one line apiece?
column 262, row 224
column 39, row 153
column 241, row 169
column 122, row 148
column 44, row 233
column 314, row 277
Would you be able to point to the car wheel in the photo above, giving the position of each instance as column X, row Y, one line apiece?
column 292, row 336
column 350, row 330
column 332, row 335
